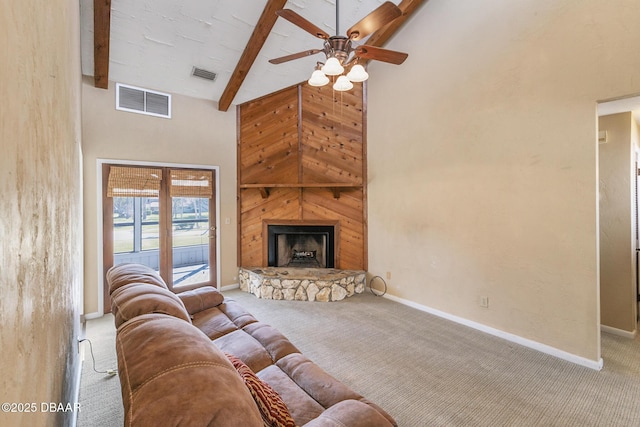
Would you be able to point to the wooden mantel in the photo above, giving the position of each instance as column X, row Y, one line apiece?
column 335, row 187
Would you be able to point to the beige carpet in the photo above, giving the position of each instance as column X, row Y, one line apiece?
column 100, row 399
column 423, row 370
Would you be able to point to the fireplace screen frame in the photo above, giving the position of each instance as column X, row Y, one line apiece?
column 272, row 228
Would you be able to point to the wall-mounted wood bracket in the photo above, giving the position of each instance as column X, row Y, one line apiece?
column 336, row 192
column 264, row 192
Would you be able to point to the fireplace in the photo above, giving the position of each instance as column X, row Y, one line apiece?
column 298, row 244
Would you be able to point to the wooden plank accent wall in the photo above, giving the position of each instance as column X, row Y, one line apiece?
column 332, row 139
column 268, row 147
column 307, row 146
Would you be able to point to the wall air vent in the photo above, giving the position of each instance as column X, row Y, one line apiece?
column 204, row 74
column 143, row 101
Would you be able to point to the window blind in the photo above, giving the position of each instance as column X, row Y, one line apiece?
column 128, row 181
column 191, row 183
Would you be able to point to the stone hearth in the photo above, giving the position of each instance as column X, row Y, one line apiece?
column 302, row 284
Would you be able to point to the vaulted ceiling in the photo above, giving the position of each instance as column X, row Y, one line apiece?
column 155, row 44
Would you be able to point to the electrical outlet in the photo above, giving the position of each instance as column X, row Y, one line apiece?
column 388, row 275
column 484, row 301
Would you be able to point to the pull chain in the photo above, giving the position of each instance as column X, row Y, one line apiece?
column 337, row 17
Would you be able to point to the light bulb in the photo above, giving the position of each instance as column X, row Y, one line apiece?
column 342, row 84
column 332, row 67
column 357, row 74
column 318, row 79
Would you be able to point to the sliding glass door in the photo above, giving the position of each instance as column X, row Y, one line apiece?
column 193, row 230
column 136, row 231
column 164, row 218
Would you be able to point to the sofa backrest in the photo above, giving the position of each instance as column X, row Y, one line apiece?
column 123, row 274
column 171, row 374
column 200, row 299
column 136, row 299
column 137, row 289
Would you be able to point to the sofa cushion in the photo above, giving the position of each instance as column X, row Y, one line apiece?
column 236, row 313
column 245, row 347
column 171, row 375
column 303, row 407
column 352, row 413
column 321, row 386
column 123, row 274
column 271, row 339
column 273, row 409
column 213, row 322
column 135, row 299
column 200, row 299
column 324, row 389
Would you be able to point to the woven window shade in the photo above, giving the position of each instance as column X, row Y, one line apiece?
column 191, row 183
column 125, row 181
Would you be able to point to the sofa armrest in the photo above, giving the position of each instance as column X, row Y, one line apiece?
column 171, row 375
column 200, row 299
column 352, row 413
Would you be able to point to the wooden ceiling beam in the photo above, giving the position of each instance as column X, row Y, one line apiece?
column 101, row 34
column 380, row 37
column 256, row 41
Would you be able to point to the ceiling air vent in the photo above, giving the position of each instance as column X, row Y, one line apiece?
column 143, row 101
column 204, row 74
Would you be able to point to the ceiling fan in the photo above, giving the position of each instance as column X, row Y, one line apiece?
column 339, row 50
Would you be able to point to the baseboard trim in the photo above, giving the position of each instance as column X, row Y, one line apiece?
column 76, row 392
column 619, row 332
column 94, row 315
column 230, row 287
column 543, row 348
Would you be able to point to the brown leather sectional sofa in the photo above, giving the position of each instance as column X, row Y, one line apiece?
column 177, row 367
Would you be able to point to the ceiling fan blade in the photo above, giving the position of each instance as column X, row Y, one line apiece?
column 384, row 14
column 301, row 22
column 293, row 56
column 379, row 54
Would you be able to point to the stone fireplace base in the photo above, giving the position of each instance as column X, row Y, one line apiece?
column 301, row 284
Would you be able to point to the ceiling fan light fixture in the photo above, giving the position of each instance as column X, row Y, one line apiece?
column 332, row 67
column 318, row 78
column 339, row 50
column 342, row 84
column 357, row 74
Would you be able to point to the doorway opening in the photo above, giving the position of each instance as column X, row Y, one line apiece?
column 618, row 147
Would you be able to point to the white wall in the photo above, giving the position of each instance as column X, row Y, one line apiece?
column 197, row 134
column 482, row 152
column 40, row 210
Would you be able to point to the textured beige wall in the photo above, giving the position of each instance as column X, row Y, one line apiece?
column 40, row 208
column 197, row 134
column 617, row 222
column 482, row 152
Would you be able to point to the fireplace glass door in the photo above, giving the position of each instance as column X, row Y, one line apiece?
column 302, row 246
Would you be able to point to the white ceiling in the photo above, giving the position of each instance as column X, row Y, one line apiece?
column 155, row 43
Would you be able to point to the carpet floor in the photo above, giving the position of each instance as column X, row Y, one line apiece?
column 422, row 369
